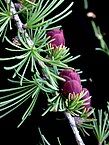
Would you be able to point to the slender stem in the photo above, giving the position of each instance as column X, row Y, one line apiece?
column 30, row 42
column 19, row 22
column 20, row 27
column 99, row 143
column 74, row 128
column 85, row 4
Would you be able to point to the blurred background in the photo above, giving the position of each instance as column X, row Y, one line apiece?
column 81, row 39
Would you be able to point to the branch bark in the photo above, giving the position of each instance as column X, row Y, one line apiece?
column 21, row 29
column 74, row 128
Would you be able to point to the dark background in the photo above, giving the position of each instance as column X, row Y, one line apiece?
column 80, row 38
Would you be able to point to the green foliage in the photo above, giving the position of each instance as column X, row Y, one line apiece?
column 55, row 104
column 62, row 54
column 37, row 15
column 5, row 18
column 34, row 54
column 17, row 96
column 99, row 36
column 44, row 141
column 101, row 125
column 75, row 104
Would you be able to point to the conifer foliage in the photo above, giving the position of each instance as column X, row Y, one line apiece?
column 40, row 64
